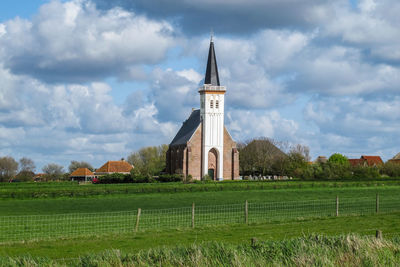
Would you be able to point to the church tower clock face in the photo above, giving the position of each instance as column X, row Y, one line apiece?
column 212, row 114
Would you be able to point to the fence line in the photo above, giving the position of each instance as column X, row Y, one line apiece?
column 29, row 227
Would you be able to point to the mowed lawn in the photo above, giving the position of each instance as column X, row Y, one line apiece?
column 131, row 202
column 65, row 249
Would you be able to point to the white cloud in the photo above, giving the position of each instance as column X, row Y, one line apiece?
column 72, row 122
column 355, row 125
column 244, row 125
column 86, row 44
column 374, row 28
column 2, row 29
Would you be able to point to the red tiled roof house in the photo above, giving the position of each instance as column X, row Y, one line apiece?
column 370, row 161
column 81, row 174
column 110, row 167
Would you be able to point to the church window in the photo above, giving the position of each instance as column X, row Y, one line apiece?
column 216, row 104
column 211, row 104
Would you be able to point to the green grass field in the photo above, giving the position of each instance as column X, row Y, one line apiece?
column 268, row 217
column 232, row 234
column 73, row 189
column 133, row 201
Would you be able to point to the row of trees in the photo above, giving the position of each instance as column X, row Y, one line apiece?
column 24, row 169
column 338, row 167
column 148, row 162
column 260, row 156
column 9, row 168
column 264, row 156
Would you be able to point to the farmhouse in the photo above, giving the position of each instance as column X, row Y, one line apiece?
column 82, row 174
column 203, row 146
column 370, row 161
column 119, row 166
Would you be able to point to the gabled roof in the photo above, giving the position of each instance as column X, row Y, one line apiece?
column 372, row 160
column 115, row 166
column 212, row 69
column 82, row 172
column 188, row 128
column 368, row 160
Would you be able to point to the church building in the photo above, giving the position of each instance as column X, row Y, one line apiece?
column 203, row 146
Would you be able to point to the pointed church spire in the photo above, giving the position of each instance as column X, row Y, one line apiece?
column 212, row 69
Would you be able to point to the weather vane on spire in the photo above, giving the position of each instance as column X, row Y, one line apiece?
column 212, row 34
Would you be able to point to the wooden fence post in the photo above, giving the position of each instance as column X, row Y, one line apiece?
column 139, row 211
column 193, row 215
column 246, row 212
column 378, row 234
column 377, row 203
column 337, row 206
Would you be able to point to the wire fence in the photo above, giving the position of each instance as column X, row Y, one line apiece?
column 33, row 227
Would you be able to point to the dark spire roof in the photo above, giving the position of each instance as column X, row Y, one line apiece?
column 212, row 69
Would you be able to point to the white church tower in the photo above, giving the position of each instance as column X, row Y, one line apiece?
column 212, row 116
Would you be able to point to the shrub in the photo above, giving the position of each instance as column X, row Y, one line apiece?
column 206, row 178
column 114, row 178
column 391, row 169
column 364, row 172
column 189, row 179
column 165, row 178
column 142, row 179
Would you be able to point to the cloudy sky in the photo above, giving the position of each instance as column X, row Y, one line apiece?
column 94, row 80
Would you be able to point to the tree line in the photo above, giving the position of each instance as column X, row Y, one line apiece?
column 265, row 156
column 148, row 162
column 24, row 169
column 258, row 156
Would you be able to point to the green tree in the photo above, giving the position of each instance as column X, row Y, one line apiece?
column 149, row 161
column 298, row 162
column 339, row 159
column 391, row 169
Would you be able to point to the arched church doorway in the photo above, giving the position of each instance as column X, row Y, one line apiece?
column 212, row 163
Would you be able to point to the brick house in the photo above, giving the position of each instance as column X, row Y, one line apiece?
column 203, row 145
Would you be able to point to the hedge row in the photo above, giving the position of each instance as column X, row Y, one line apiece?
column 118, row 178
column 75, row 190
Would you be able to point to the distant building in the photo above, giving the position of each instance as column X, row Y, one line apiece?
column 82, row 174
column 370, row 161
column 119, row 166
column 321, row 159
column 395, row 159
column 38, row 177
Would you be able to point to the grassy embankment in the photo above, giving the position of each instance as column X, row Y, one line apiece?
column 309, row 250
